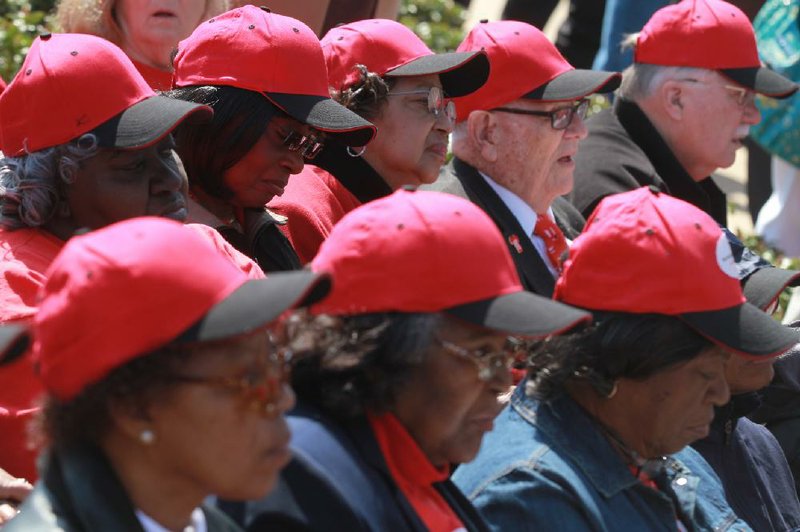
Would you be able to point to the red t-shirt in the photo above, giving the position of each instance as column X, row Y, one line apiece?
column 414, row 474
column 26, row 255
column 313, row 202
column 159, row 80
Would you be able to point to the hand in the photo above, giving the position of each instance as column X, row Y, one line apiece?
column 12, row 491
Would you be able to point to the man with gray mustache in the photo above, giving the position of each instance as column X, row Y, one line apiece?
column 682, row 110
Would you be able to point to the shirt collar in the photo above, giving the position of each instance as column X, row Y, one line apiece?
column 197, row 523
column 402, row 453
column 523, row 212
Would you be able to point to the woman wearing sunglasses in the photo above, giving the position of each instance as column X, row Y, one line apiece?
column 398, row 380
column 269, row 118
column 178, row 394
column 381, row 70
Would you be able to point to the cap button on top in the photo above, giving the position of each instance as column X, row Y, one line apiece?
column 45, row 36
column 265, row 8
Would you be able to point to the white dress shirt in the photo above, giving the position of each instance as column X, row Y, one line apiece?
column 526, row 217
column 198, row 522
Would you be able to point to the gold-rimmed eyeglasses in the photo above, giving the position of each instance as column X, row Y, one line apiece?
column 489, row 364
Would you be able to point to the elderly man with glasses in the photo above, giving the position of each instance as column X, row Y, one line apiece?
column 514, row 144
column 684, row 108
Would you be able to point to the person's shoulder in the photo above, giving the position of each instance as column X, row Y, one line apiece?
column 38, row 514
column 218, row 242
column 36, row 248
column 514, row 447
column 313, row 191
column 217, row 521
column 304, row 499
column 449, row 180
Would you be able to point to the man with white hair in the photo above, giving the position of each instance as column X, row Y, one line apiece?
column 683, row 109
column 515, row 141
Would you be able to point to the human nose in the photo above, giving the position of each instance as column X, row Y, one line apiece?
column 293, row 161
column 168, row 175
column 286, row 400
column 577, row 128
column 444, row 122
column 751, row 114
column 718, row 392
column 502, row 379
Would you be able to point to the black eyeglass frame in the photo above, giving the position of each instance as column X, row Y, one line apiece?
column 560, row 118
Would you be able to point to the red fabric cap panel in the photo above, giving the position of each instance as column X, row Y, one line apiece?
column 379, row 44
column 254, row 49
column 698, row 33
column 119, row 273
column 410, row 252
column 68, row 85
column 521, row 58
column 647, row 252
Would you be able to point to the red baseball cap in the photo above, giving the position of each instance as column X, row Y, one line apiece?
column 525, row 64
column 280, row 57
column 709, row 34
column 2, row 85
column 129, row 288
column 647, row 252
column 419, row 251
column 72, row 84
column 388, row 48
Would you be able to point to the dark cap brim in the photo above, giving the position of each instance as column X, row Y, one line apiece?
column 763, row 81
column 522, row 313
column 326, row 115
column 147, row 122
column 574, row 84
column 14, row 341
column 744, row 329
column 256, row 304
column 461, row 73
column 765, row 284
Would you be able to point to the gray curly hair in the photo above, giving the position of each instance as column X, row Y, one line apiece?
column 31, row 185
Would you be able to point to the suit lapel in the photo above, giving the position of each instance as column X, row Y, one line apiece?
column 534, row 273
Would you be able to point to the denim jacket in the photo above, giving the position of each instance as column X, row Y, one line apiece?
column 546, row 466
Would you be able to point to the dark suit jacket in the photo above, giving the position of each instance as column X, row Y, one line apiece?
column 339, row 481
column 80, row 492
column 463, row 180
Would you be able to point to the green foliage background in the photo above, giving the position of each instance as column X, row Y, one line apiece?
column 438, row 22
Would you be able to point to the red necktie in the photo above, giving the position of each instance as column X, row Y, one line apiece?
column 554, row 242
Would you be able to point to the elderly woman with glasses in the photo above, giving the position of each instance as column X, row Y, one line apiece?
column 105, row 157
column 589, row 439
column 269, row 118
column 381, row 70
column 401, row 370
column 153, row 405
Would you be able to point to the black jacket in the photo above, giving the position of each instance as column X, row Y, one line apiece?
column 461, row 179
column 754, row 473
column 624, row 151
column 780, row 408
column 338, row 481
column 79, row 492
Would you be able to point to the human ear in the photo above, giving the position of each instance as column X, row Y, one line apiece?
column 130, row 417
column 672, row 98
column 483, row 133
